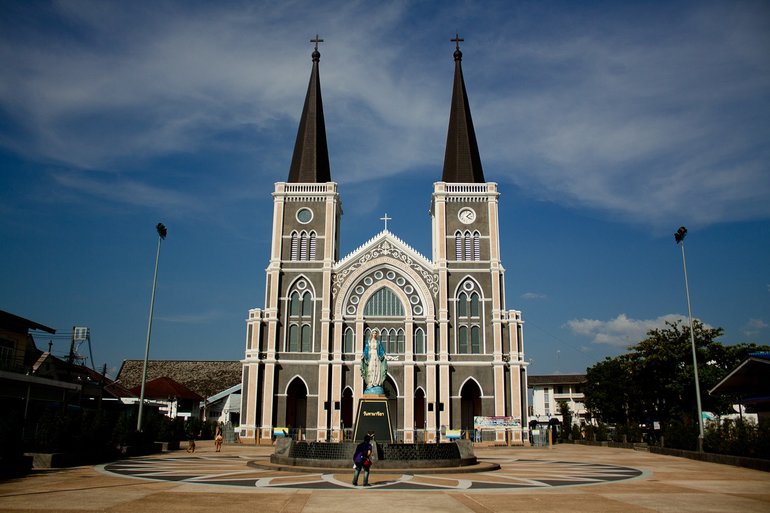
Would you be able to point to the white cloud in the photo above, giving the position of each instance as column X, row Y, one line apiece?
column 533, row 295
column 753, row 327
column 613, row 120
column 620, row 331
column 124, row 191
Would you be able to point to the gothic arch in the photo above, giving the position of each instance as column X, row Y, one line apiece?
column 469, row 330
column 419, row 407
column 462, row 280
column 468, row 379
column 298, row 335
column 293, row 283
column 368, row 293
column 470, row 403
column 346, row 407
column 294, row 378
column 394, row 383
column 412, row 277
column 297, row 393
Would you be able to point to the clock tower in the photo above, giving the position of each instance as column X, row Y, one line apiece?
column 466, row 250
column 295, row 322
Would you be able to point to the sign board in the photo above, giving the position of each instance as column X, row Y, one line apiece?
column 373, row 417
column 454, row 434
column 81, row 333
column 495, row 422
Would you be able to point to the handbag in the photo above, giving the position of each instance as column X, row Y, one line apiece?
column 367, row 463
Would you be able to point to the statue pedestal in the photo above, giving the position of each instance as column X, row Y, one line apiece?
column 373, row 417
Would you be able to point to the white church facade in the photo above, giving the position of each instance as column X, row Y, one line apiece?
column 455, row 353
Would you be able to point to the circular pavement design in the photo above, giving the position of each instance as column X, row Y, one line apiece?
column 515, row 474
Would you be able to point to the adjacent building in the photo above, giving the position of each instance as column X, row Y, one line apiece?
column 550, row 390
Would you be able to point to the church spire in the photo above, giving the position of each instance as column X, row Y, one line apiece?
column 462, row 163
column 310, row 162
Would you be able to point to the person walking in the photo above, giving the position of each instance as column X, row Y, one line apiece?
column 362, row 459
column 218, row 439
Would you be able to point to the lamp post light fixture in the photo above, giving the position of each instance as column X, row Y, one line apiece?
column 679, row 238
column 161, row 229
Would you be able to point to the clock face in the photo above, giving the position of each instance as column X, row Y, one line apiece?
column 304, row 215
column 466, row 215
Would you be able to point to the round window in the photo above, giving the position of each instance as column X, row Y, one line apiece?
column 304, row 215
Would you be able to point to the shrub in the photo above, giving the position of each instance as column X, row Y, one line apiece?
column 738, row 438
column 681, row 435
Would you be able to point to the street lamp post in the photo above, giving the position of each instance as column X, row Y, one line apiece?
column 679, row 237
column 161, row 235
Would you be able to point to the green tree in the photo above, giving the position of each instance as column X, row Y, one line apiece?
column 663, row 369
column 608, row 390
column 654, row 380
column 566, row 415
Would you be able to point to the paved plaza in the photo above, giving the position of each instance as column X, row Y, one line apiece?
column 563, row 478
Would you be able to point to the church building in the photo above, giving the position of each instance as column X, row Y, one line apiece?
column 455, row 354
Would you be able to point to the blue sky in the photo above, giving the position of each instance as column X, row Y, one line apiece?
column 607, row 125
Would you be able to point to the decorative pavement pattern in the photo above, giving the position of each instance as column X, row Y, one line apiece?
column 515, row 474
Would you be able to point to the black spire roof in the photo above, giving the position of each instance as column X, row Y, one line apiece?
column 462, row 163
column 310, row 162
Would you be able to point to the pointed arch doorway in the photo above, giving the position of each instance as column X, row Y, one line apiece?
column 296, row 406
column 346, row 413
column 470, row 404
column 420, row 425
column 392, row 394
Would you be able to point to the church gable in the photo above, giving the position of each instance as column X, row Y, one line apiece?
column 385, row 248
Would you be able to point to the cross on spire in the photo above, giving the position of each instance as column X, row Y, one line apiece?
column 386, row 219
column 316, row 41
column 457, row 40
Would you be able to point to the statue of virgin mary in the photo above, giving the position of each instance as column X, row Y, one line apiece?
column 374, row 366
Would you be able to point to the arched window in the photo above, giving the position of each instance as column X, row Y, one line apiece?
column 474, row 305
column 468, row 320
column 468, row 246
column 458, row 245
column 476, row 246
column 475, row 340
column 384, row 303
column 294, row 253
column 311, row 255
column 307, row 305
column 305, row 338
column 399, row 335
column 462, row 305
column 293, row 338
column 347, row 341
column 303, row 246
column 462, row 339
column 419, row 341
column 299, row 321
column 294, row 304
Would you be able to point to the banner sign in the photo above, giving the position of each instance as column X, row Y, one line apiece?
column 454, row 434
column 496, row 422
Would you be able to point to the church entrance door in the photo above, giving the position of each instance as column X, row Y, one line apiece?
column 470, row 405
column 296, row 406
column 392, row 395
